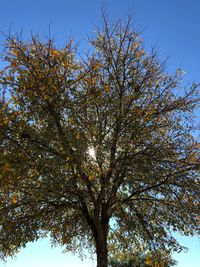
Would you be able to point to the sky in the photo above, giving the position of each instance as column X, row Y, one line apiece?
column 172, row 26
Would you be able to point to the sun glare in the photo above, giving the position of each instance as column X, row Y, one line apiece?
column 91, row 152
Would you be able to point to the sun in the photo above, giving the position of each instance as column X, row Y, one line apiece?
column 91, row 152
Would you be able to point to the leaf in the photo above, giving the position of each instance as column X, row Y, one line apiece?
column 55, row 52
column 193, row 159
column 91, row 178
column 5, row 121
column 14, row 199
column 107, row 88
column 130, row 158
column 137, row 45
column 96, row 65
column 78, row 135
column 6, row 167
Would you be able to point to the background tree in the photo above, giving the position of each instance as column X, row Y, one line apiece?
column 97, row 151
column 137, row 259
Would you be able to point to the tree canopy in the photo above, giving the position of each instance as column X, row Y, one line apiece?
column 96, row 150
column 138, row 259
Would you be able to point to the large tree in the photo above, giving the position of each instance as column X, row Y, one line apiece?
column 97, row 150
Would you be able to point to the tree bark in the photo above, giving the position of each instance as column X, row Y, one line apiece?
column 99, row 226
column 101, row 237
column 101, row 247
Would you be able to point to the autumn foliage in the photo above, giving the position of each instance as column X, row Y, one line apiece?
column 141, row 181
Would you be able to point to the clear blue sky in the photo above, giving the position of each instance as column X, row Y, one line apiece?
column 173, row 26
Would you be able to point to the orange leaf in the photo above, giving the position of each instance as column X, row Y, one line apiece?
column 107, row 88
column 14, row 199
column 6, row 167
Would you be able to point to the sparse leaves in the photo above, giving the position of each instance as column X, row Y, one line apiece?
column 120, row 101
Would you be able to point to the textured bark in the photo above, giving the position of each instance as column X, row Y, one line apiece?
column 101, row 249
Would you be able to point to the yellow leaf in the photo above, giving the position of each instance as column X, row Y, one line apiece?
column 13, row 51
column 137, row 45
column 96, row 65
column 90, row 177
column 98, row 170
column 45, row 96
column 5, row 121
column 78, row 135
column 67, row 64
column 107, row 88
column 139, row 54
column 193, row 159
column 55, row 52
column 6, row 167
column 14, row 199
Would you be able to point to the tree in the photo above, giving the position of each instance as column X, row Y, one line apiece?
column 97, row 151
column 158, row 259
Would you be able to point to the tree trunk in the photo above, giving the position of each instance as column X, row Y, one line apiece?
column 101, row 248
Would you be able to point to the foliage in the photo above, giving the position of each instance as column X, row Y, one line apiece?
column 97, row 151
column 160, row 259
